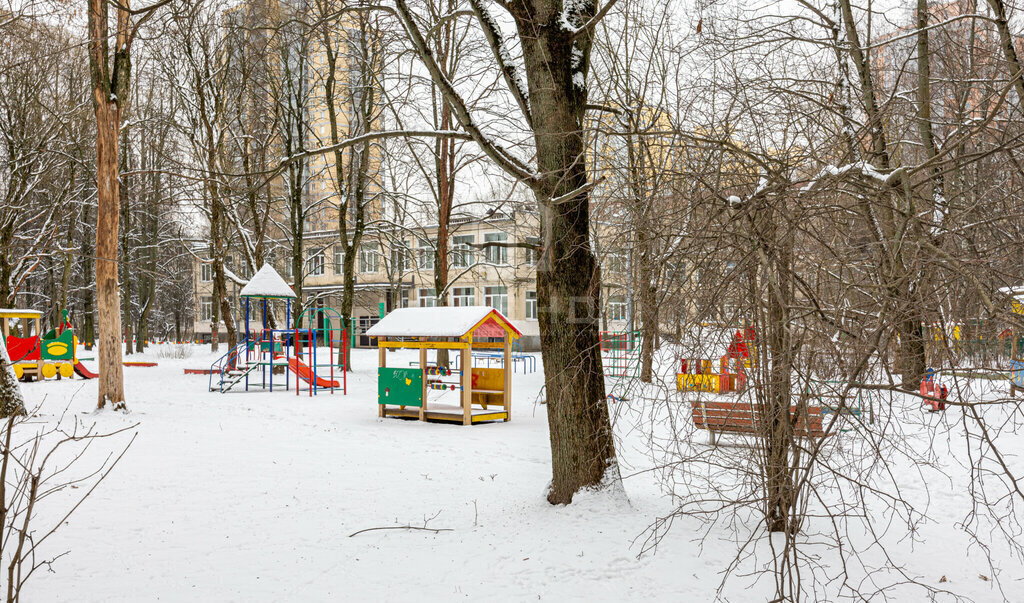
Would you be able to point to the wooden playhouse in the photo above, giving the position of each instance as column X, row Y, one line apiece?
column 467, row 396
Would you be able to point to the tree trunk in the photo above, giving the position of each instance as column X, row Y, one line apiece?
column 88, row 335
column 11, row 400
column 111, row 379
column 126, row 249
column 1009, row 48
column 445, row 149
column 648, row 318
column 568, row 279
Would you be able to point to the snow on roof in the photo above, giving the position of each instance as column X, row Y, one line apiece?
column 15, row 313
column 267, row 283
column 433, row 322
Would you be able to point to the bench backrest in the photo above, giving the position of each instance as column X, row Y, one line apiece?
column 742, row 417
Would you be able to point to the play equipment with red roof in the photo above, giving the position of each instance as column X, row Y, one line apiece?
column 41, row 356
column 468, row 396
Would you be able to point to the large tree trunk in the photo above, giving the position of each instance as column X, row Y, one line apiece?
column 111, row 380
column 891, row 258
column 557, row 59
column 568, row 280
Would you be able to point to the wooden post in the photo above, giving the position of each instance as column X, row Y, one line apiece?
column 507, row 396
column 382, row 362
column 38, row 334
column 423, row 367
column 467, row 381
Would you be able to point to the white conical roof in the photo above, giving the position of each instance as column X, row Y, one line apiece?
column 267, row 283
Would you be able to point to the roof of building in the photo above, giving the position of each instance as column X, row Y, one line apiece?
column 267, row 283
column 443, row 322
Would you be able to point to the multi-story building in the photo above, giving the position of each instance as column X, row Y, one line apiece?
column 395, row 269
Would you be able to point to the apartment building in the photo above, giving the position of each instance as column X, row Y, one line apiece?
column 395, row 269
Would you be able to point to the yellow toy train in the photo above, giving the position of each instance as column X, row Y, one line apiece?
column 36, row 356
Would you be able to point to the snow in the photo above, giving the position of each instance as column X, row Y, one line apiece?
column 267, row 283
column 234, row 277
column 570, row 12
column 256, row 497
column 862, row 168
column 431, row 322
column 504, row 56
column 7, row 311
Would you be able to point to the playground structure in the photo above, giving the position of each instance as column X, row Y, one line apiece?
column 518, row 357
column 1016, row 341
column 934, row 393
column 478, row 391
column 697, row 374
column 41, row 356
column 291, row 350
column 620, row 354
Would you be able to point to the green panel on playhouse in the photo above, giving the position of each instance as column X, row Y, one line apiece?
column 403, row 387
column 61, row 347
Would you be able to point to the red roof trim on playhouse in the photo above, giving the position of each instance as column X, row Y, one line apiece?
column 490, row 326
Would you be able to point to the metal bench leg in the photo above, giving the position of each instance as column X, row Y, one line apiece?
column 712, row 438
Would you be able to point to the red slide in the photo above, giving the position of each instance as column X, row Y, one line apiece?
column 83, row 372
column 299, row 368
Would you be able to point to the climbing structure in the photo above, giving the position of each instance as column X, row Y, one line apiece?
column 620, row 354
column 308, row 352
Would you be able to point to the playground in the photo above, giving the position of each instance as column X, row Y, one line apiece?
column 367, row 461
column 227, row 477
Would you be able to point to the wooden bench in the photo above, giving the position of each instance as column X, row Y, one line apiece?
column 742, row 417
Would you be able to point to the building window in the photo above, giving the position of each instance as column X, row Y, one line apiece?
column 497, row 298
column 405, row 298
column 617, row 262
column 425, row 255
column 616, row 307
column 369, row 260
column 428, row 298
column 316, row 263
column 206, row 308
column 206, row 273
column 288, row 271
column 531, row 304
column 339, row 259
column 496, row 255
column 532, row 254
column 463, row 256
column 463, row 296
column 400, row 257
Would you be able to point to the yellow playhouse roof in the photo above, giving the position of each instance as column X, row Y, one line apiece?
column 9, row 313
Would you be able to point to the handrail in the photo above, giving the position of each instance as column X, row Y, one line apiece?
column 223, row 363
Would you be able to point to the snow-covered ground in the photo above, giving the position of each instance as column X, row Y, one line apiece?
column 256, row 497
